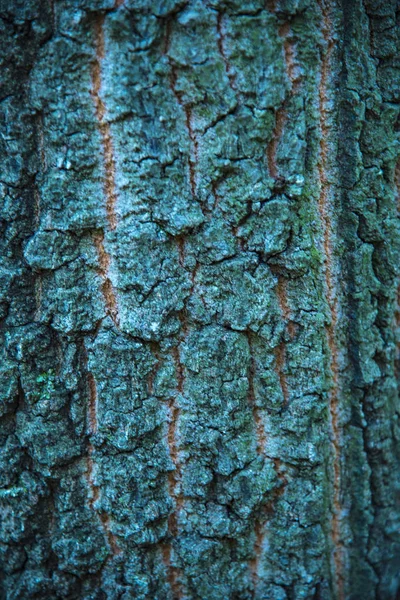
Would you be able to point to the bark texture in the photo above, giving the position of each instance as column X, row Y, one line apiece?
column 200, row 250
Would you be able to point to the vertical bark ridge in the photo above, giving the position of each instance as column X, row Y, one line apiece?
column 325, row 210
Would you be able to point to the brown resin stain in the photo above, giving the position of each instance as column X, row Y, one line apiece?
column 326, row 221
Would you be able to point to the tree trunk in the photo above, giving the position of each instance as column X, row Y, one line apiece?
column 200, row 256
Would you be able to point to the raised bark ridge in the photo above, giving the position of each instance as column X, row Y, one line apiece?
column 198, row 300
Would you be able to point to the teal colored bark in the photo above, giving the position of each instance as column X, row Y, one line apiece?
column 198, row 300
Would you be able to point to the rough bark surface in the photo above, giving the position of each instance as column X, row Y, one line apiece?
column 200, row 250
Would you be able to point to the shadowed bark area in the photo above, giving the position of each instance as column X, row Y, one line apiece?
column 199, row 300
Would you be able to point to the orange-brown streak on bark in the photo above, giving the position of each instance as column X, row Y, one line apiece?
column 173, row 573
column 181, row 250
column 38, row 295
column 259, row 426
column 257, row 553
column 397, row 185
column 107, row 287
column 193, row 160
column 93, row 422
column 221, row 37
column 261, row 441
column 271, row 5
column 326, row 222
column 36, row 196
column 94, row 489
column 194, row 151
column 104, row 518
column 284, row 305
column 42, row 153
column 103, row 125
column 260, row 526
column 155, row 348
column 290, row 57
column 174, row 479
column 280, row 350
column 281, row 114
column 397, row 311
column 280, row 361
column 272, row 147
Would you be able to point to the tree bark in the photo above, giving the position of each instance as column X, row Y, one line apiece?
column 199, row 320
